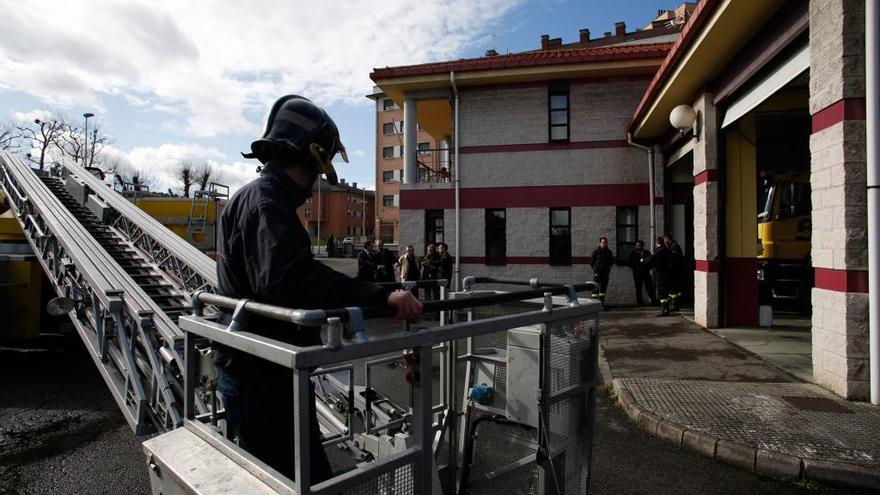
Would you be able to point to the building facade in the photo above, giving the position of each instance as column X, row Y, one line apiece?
column 389, row 164
column 345, row 211
column 542, row 157
column 763, row 186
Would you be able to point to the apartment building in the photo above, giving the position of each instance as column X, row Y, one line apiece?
column 343, row 210
column 389, row 164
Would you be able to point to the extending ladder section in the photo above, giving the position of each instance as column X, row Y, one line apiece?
column 128, row 278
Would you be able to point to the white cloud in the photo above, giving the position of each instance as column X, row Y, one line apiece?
column 219, row 66
column 359, row 153
column 30, row 117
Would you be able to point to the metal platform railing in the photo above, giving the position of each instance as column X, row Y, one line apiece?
column 409, row 470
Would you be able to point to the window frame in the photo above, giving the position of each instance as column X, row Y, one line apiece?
column 495, row 249
column 621, row 253
column 385, row 178
column 386, row 155
column 387, row 104
column 435, row 223
column 559, row 259
column 387, row 201
column 385, row 128
column 559, row 88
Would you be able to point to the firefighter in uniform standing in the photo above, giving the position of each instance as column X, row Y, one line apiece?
column 601, row 262
column 676, row 268
column 264, row 254
column 660, row 261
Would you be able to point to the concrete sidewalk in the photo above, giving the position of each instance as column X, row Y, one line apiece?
column 701, row 392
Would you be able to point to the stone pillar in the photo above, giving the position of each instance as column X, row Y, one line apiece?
column 410, row 142
column 706, row 299
column 838, row 181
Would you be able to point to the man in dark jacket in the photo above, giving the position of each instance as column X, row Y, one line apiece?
column 431, row 270
column 366, row 265
column 331, row 246
column 676, row 272
column 384, row 262
column 638, row 262
column 601, row 262
column 444, row 269
column 661, row 262
column 264, row 254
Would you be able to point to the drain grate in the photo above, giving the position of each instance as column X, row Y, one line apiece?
column 816, row 404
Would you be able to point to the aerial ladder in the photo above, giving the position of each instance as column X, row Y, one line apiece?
column 142, row 300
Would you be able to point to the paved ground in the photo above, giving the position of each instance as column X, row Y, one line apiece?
column 700, row 391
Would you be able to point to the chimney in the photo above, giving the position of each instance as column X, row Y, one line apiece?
column 585, row 35
column 354, row 185
column 545, row 40
column 619, row 29
column 607, row 34
column 342, row 181
column 491, row 53
column 555, row 42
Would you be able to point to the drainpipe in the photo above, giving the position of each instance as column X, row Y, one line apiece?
column 872, row 93
column 652, row 217
column 457, row 184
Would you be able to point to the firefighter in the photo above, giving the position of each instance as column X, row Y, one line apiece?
column 264, row 254
column 601, row 262
column 676, row 269
column 642, row 273
column 660, row 261
column 384, row 262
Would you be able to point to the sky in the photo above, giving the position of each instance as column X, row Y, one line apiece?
column 170, row 80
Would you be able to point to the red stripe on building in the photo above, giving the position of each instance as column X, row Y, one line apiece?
column 842, row 110
column 709, row 266
column 708, row 175
column 842, row 280
column 528, row 197
column 512, row 148
column 523, row 260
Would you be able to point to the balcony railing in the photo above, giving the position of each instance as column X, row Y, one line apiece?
column 434, row 165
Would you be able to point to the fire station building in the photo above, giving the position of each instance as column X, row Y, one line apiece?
column 761, row 180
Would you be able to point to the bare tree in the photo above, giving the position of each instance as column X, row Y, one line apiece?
column 186, row 173
column 44, row 136
column 73, row 143
column 204, row 175
column 9, row 135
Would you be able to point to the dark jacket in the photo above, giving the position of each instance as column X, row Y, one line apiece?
column 661, row 262
column 430, row 266
column 602, row 260
column 366, row 266
column 444, row 269
column 264, row 253
column 384, row 262
column 638, row 261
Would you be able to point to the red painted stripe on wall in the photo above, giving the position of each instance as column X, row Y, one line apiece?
column 511, row 148
column 708, row 175
column 709, row 266
column 528, row 197
column 845, row 109
column 842, row 280
column 524, row 260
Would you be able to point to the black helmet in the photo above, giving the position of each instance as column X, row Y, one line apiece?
column 297, row 127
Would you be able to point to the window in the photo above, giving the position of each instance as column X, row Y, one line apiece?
column 388, row 152
column 388, row 176
column 387, row 104
column 627, row 232
column 386, row 233
column 433, row 227
column 308, row 201
column 794, row 200
column 560, row 236
column 424, row 148
column 388, row 128
column 496, row 237
column 558, row 112
column 388, row 200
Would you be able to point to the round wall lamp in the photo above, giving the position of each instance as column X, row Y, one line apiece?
column 684, row 118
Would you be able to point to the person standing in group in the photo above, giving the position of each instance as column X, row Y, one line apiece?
column 384, row 262
column 331, row 246
column 660, row 261
column 444, row 268
column 366, row 266
column 638, row 262
column 430, row 269
column 676, row 269
column 265, row 254
column 409, row 267
column 601, row 261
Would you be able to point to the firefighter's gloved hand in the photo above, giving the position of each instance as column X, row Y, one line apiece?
column 408, row 307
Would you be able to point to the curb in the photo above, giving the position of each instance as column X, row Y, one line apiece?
column 756, row 460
